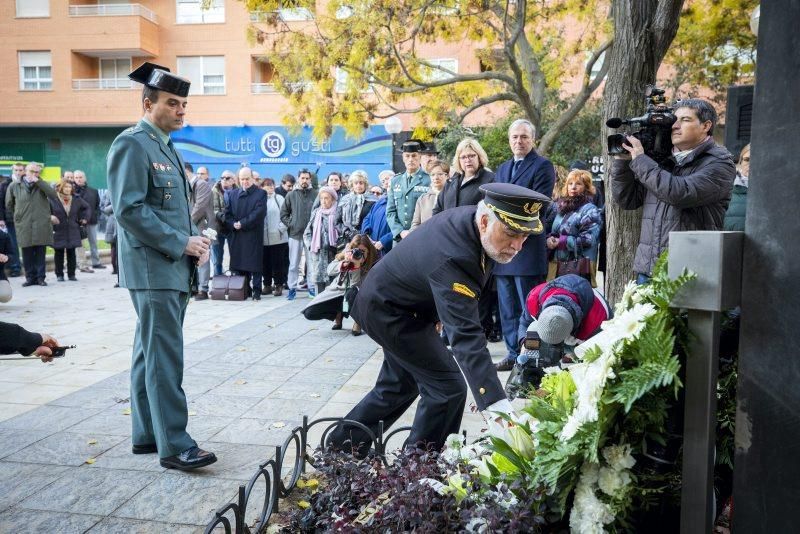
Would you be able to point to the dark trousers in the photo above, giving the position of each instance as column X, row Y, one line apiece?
column 114, row 261
column 33, row 260
column 58, row 258
column 488, row 308
column 415, row 363
column 13, row 263
column 512, row 291
column 158, row 403
column 275, row 264
column 218, row 251
column 253, row 277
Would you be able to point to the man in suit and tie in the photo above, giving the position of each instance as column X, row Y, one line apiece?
column 529, row 269
column 202, row 202
column 159, row 247
column 404, row 190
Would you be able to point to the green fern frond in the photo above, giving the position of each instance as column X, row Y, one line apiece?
column 634, row 383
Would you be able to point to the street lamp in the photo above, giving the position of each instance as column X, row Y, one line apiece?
column 393, row 126
column 754, row 18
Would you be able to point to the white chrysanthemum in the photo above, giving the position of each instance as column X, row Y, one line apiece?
column 630, row 323
column 589, row 379
column 473, row 451
column 606, row 340
column 619, row 457
column 610, row 481
column 626, row 301
column 589, row 514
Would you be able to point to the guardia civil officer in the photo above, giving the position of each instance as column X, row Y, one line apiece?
column 158, row 250
column 435, row 274
column 404, row 190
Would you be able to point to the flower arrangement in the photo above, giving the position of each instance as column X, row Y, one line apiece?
column 572, row 459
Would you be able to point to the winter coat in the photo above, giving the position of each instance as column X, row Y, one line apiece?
column 296, row 211
column 218, row 195
column 92, row 199
column 577, row 231
column 537, row 174
column 692, row 195
column 29, row 205
column 587, row 306
column 249, row 207
column 4, row 184
column 456, row 193
column 338, row 284
column 67, row 233
column 424, row 208
column 376, row 227
column 318, row 260
column 275, row 231
column 202, row 205
column 5, row 248
column 735, row 216
column 350, row 211
column 111, row 220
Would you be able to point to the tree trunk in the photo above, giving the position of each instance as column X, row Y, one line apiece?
column 643, row 31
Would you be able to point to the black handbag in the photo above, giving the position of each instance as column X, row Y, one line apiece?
column 84, row 232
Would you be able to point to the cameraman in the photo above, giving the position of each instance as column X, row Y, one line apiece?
column 688, row 191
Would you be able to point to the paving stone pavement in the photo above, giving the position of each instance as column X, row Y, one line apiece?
column 252, row 370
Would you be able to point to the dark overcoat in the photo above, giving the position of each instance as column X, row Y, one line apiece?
column 536, row 173
column 67, row 233
column 249, row 207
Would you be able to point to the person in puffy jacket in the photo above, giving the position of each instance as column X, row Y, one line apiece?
column 690, row 190
column 735, row 216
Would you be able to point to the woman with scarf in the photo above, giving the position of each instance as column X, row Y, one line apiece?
column 320, row 239
column 573, row 227
column 735, row 216
column 68, row 214
column 347, row 270
column 353, row 207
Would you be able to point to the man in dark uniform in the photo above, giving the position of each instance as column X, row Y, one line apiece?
column 436, row 274
column 428, row 156
column 404, row 190
column 158, row 249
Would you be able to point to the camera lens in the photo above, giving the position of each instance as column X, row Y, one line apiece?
column 358, row 254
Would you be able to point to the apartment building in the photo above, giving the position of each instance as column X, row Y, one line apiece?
column 66, row 94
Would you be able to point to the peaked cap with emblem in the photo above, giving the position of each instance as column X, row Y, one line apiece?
column 517, row 207
column 158, row 77
column 429, row 148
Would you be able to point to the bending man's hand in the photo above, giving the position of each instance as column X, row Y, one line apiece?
column 43, row 351
column 197, row 246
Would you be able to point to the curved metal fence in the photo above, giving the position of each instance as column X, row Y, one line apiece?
column 231, row 517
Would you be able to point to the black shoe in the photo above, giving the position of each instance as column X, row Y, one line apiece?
column 256, row 296
column 98, row 266
column 150, row 448
column 15, row 274
column 73, row 279
column 42, row 283
column 191, row 458
column 356, row 332
column 28, row 283
column 494, row 336
column 116, row 285
column 336, row 326
column 202, row 295
column 505, row 365
column 60, row 278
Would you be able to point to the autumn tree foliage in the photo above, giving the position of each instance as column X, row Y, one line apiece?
column 358, row 61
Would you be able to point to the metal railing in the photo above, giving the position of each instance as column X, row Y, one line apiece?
column 112, row 10
column 262, row 88
column 90, row 84
column 231, row 517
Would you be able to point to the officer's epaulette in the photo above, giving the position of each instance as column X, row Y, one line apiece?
column 133, row 129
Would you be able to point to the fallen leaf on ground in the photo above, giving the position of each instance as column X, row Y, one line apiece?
column 92, row 442
column 328, row 360
column 279, row 424
column 192, row 413
column 126, row 411
column 242, row 349
column 240, row 382
column 314, row 395
column 90, row 461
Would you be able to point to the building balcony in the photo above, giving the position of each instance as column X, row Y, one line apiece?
column 262, row 88
column 111, row 30
column 99, row 84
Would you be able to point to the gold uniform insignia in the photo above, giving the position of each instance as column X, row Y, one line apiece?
column 464, row 290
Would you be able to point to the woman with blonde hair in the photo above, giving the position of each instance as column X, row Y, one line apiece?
column 68, row 214
column 470, row 165
column 573, row 230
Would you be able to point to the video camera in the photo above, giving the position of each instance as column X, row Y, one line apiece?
column 528, row 371
column 654, row 127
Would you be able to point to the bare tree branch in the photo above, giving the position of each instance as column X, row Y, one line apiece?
column 498, row 97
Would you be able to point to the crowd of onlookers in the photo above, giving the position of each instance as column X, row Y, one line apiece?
column 300, row 234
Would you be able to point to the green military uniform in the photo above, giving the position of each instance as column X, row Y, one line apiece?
column 150, row 197
column 404, row 190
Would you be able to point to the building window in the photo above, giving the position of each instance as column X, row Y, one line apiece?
column 33, row 8
column 290, row 12
column 207, row 74
column 35, row 71
column 432, row 74
column 114, row 73
column 192, row 12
